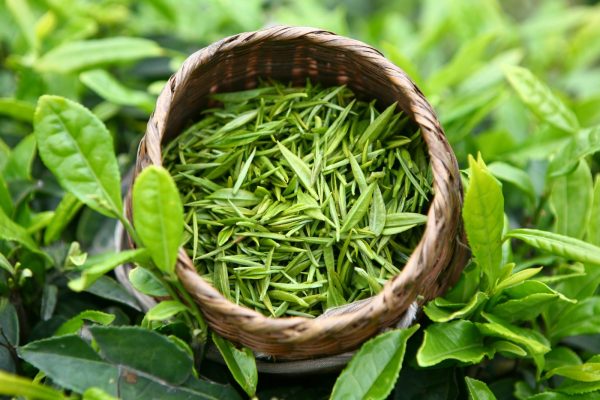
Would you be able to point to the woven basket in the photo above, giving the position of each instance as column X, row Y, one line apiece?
column 293, row 54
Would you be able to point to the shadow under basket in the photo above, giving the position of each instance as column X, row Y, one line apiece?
column 295, row 54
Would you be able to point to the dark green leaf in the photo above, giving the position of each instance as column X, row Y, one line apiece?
column 241, row 364
column 374, row 369
column 63, row 214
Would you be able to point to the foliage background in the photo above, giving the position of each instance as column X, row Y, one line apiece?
column 456, row 51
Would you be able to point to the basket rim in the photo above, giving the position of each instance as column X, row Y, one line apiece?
column 398, row 289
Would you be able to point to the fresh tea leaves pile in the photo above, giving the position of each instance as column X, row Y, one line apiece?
column 300, row 199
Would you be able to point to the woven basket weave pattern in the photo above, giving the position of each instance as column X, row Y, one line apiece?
column 292, row 54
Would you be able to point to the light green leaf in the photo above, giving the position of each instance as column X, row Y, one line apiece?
column 21, row 12
column 299, row 167
column 63, row 215
column 16, row 109
column 74, row 324
column 6, row 203
column 165, row 310
column 12, row 385
column 77, row 56
column 97, row 266
column 374, row 369
column 241, row 364
column 145, row 282
column 516, row 176
column 376, row 127
column 517, row 278
column 532, row 340
column 506, row 347
column 478, row 390
column 579, row 319
column 540, row 100
column 78, row 149
column 437, row 313
column 571, row 200
column 567, row 157
column 12, row 232
column 483, row 214
column 95, row 393
column 588, row 372
column 377, row 215
column 559, row 245
column 458, row 340
column 593, row 224
column 158, row 216
column 18, row 165
column 359, row 209
column 110, row 89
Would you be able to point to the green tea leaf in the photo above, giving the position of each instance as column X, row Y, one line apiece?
column 299, row 167
column 78, row 149
column 478, row 390
column 77, row 56
column 540, row 100
column 532, row 340
column 165, row 310
column 457, row 340
column 483, row 214
column 108, row 288
column 16, row 109
column 588, row 372
column 376, row 127
column 12, row 232
column 74, row 324
column 97, row 266
column 18, row 165
column 63, row 215
column 593, row 224
column 559, row 245
column 377, row 215
column 374, row 369
column 516, row 176
column 438, row 313
column 571, row 200
column 517, row 277
column 94, row 393
column 582, row 318
column 241, row 364
column 110, row 89
column 145, row 282
column 358, row 210
column 25, row 19
column 567, row 157
column 12, row 385
column 158, row 216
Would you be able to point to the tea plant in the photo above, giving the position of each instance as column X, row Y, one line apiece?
column 514, row 83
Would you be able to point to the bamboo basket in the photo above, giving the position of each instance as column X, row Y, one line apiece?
column 293, row 54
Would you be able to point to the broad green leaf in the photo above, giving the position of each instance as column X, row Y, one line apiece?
column 561, row 356
column 483, row 214
column 145, row 282
column 593, row 224
column 97, row 266
column 165, row 310
column 567, row 157
column 80, row 55
column 478, row 390
column 108, row 288
column 571, row 200
column 18, row 165
column 110, row 89
column 9, row 324
column 130, row 363
column 158, row 216
column 74, row 324
column 559, row 245
column 437, row 313
column 540, row 99
column 299, row 167
column 16, row 109
column 523, row 309
column 241, row 364
column 516, row 176
column 532, row 340
column 21, row 12
column 78, row 149
column 374, row 369
column 457, row 340
column 12, row 232
column 63, row 215
column 359, row 209
column 13, row 385
column 6, row 203
column 587, row 372
column 579, row 319
column 506, row 347
column 467, row 285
